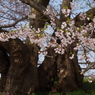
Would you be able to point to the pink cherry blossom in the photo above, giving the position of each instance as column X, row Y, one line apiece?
column 63, row 25
column 83, row 16
column 66, row 12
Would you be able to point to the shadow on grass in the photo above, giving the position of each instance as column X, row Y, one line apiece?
column 88, row 89
column 46, row 93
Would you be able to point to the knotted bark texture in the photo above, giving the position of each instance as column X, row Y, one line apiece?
column 22, row 74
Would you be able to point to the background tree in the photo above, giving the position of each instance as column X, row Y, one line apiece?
column 18, row 58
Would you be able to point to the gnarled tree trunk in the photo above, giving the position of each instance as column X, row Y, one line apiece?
column 69, row 77
column 22, row 73
column 23, row 76
column 4, row 66
column 47, row 71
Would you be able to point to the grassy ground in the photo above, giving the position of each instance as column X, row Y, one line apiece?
column 88, row 89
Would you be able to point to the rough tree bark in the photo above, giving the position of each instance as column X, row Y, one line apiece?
column 40, row 19
column 22, row 73
column 4, row 66
column 47, row 71
column 69, row 77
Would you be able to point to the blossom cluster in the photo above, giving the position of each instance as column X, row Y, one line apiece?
column 83, row 16
column 64, row 36
column 66, row 12
column 33, row 16
column 51, row 13
column 91, row 78
column 69, row 34
column 35, row 36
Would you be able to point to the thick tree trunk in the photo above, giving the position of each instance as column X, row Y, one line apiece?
column 66, row 71
column 69, row 77
column 22, row 74
column 4, row 66
column 47, row 71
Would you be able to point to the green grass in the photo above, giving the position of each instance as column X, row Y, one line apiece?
column 88, row 89
column 46, row 93
column 78, row 92
column 1, row 93
column 40, row 93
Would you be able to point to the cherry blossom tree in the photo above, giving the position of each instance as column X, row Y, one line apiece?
column 19, row 49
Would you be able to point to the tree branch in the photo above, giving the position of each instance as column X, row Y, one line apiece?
column 40, row 19
column 88, row 67
column 34, row 4
column 82, row 22
column 13, row 24
column 39, row 7
column 65, row 4
column 1, row 30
